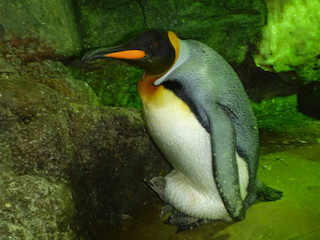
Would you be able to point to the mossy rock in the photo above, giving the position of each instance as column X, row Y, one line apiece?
column 33, row 207
column 291, row 40
column 51, row 24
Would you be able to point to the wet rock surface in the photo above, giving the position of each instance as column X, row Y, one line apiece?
column 100, row 153
column 34, row 207
column 51, row 23
column 113, row 155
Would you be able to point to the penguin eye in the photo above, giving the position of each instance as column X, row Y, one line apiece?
column 155, row 45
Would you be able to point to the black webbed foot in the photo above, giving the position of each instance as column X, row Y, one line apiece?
column 177, row 218
column 166, row 209
column 266, row 193
column 184, row 222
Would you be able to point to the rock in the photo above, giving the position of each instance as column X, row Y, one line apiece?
column 291, row 40
column 51, row 26
column 113, row 154
column 35, row 125
column 72, row 90
column 101, row 153
column 106, row 23
column 114, row 83
column 34, row 207
column 48, row 72
column 262, row 85
column 309, row 99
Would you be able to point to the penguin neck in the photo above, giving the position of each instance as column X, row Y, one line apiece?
column 149, row 86
column 182, row 58
column 147, row 91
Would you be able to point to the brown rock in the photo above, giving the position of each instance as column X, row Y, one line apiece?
column 102, row 153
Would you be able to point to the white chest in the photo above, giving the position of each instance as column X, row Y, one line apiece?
column 182, row 139
column 187, row 146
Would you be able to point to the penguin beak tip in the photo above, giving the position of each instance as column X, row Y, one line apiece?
column 94, row 55
column 90, row 56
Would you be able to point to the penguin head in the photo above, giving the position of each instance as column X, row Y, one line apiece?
column 155, row 51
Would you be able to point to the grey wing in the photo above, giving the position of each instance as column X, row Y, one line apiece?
column 224, row 165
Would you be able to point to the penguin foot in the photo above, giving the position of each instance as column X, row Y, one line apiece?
column 166, row 209
column 177, row 218
column 266, row 193
column 184, row 222
column 157, row 184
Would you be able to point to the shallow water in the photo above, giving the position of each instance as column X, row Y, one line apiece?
column 290, row 164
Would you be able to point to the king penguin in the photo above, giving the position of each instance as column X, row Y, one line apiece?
column 199, row 115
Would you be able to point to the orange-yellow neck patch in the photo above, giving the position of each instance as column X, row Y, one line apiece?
column 146, row 89
column 156, row 97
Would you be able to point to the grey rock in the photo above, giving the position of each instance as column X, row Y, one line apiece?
column 106, row 23
column 34, row 207
column 51, row 23
column 113, row 154
column 100, row 153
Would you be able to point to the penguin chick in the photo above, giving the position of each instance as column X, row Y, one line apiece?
column 198, row 114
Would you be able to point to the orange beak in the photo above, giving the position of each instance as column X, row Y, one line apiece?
column 127, row 54
column 120, row 52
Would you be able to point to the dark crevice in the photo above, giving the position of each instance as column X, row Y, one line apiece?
column 145, row 25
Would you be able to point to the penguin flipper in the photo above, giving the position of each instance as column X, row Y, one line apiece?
column 225, row 170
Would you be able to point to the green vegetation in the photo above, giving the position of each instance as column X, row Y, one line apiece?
column 113, row 83
column 291, row 39
column 279, row 113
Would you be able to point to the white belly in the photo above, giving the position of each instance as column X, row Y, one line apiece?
column 190, row 188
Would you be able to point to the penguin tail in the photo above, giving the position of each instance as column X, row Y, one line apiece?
column 265, row 193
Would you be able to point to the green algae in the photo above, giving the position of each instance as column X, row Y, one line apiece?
column 280, row 114
column 51, row 22
column 33, row 207
column 114, row 83
column 291, row 39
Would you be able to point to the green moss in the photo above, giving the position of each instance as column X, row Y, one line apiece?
column 280, row 114
column 109, row 23
column 291, row 39
column 53, row 22
column 32, row 207
column 114, row 83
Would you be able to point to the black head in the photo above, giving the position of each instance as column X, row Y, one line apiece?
column 151, row 50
